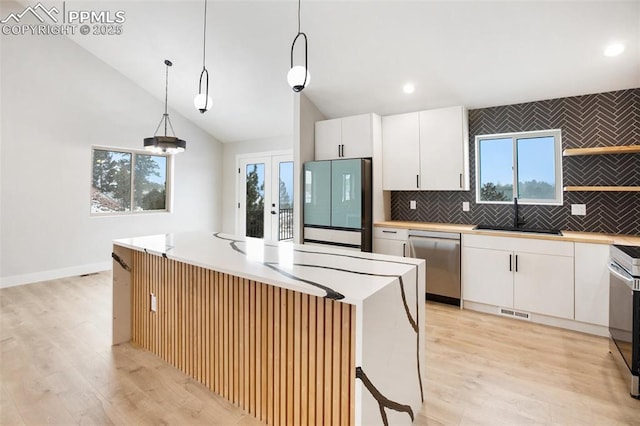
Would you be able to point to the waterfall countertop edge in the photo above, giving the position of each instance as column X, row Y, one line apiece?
column 334, row 273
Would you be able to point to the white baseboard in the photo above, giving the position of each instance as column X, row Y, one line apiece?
column 598, row 330
column 54, row 274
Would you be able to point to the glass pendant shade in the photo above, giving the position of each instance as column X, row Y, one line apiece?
column 164, row 145
column 296, row 78
column 203, row 102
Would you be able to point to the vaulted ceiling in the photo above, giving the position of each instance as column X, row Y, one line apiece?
column 476, row 53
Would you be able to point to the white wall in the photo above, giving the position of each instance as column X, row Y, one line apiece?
column 230, row 172
column 305, row 115
column 58, row 100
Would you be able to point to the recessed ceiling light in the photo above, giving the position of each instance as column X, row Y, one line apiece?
column 408, row 88
column 614, row 49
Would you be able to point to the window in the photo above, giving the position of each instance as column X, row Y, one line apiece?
column 524, row 165
column 117, row 187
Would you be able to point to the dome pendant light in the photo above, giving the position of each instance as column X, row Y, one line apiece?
column 203, row 101
column 298, row 76
column 165, row 144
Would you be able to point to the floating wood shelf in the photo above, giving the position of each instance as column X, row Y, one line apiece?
column 602, row 188
column 628, row 149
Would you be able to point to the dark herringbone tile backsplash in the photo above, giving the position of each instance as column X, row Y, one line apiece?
column 604, row 119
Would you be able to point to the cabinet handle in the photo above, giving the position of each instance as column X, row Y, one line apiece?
column 389, row 232
column 339, row 155
column 404, row 246
column 510, row 262
column 342, row 150
column 516, row 263
column 460, row 180
column 418, row 181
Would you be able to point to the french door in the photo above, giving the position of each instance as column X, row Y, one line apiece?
column 265, row 198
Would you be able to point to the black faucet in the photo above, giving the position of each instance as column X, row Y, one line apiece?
column 516, row 215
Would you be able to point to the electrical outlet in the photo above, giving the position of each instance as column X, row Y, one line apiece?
column 465, row 206
column 412, row 204
column 154, row 303
column 578, row 209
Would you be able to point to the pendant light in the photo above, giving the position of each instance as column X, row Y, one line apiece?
column 298, row 76
column 203, row 101
column 165, row 144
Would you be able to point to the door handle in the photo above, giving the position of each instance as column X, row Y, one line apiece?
column 510, row 262
column 273, row 212
column 516, row 263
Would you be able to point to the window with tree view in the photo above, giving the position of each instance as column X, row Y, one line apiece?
column 127, row 181
column 524, row 165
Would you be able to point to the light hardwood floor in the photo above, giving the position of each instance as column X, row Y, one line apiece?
column 57, row 367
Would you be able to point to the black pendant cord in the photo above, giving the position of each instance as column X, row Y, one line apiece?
column 298, row 16
column 204, row 36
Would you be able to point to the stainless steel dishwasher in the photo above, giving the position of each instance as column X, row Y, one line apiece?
column 441, row 250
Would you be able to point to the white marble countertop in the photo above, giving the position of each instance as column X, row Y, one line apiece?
column 338, row 274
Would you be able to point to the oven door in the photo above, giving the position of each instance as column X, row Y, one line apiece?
column 624, row 316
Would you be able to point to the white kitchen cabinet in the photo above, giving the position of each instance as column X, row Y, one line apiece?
column 426, row 150
column 401, row 152
column 543, row 284
column 592, row 283
column 486, row 277
column 328, row 139
column 523, row 274
column 348, row 137
column 444, row 149
column 391, row 241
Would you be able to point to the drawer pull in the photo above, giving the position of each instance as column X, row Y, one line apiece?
column 389, row 232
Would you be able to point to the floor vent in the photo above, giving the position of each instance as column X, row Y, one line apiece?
column 514, row 314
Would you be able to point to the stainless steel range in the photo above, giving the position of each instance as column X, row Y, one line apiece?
column 624, row 312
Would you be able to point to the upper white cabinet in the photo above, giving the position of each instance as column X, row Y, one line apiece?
column 426, row 150
column 592, row 283
column 444, row 149
column 528, row 275
column 400, row 148
column 348, row 137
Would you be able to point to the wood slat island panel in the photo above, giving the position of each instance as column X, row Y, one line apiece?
column 291, row 334
column 283, row 356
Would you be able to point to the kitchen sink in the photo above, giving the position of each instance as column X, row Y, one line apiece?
column 514, row 229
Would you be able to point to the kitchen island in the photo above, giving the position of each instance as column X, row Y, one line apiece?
column 293, row 334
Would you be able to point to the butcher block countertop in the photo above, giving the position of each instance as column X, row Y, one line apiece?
column 579, row 237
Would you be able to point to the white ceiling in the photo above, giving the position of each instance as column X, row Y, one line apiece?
column 475, row 53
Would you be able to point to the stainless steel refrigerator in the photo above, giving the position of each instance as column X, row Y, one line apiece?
column 337, row 203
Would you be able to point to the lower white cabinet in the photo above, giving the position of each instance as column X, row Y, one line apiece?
column 592, row 283
column 391, row 241
column 530, row 275
column 486, row 276
column 543, row 284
